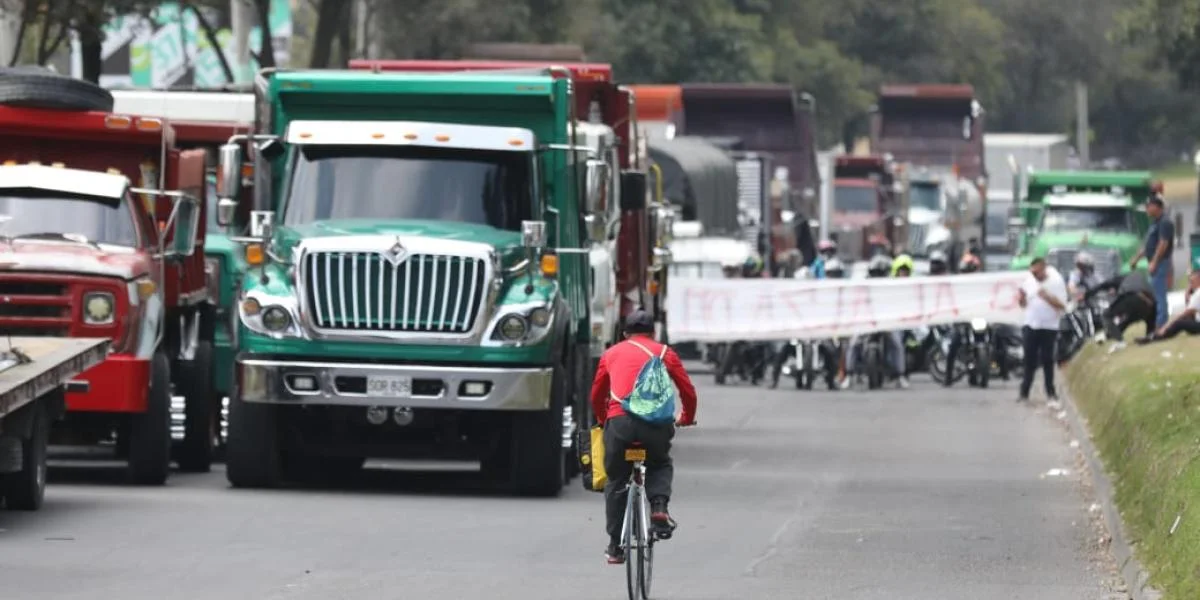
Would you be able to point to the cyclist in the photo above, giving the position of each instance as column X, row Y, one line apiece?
column 616, row 374
column 880, row 267
column 826, row 251
column 1083, row 278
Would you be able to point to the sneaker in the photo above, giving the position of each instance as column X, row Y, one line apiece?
column 845, row 384
column 615, row 555
column 661, row 520
column 902, row 382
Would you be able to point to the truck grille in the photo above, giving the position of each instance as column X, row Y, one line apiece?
column 362, row 291
column 1108, row 262
column 33, row 307
column 916, row 237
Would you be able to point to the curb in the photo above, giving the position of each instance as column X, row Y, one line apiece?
column 1135, row 576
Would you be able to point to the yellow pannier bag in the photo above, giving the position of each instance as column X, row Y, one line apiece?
column 591, row 459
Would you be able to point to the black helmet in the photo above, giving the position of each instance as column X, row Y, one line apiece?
column 938, row 264
column 639, row 321
column 880, row 266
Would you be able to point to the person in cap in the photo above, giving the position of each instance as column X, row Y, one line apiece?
column 620, row 369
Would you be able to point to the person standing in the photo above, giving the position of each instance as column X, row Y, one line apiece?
column 1043, row 295
column 1160, row 241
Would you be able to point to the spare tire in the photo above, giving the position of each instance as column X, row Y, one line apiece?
column 37, row 87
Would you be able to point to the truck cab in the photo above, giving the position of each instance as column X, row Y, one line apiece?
column 418, row 280
column 1066, row 212
column 863, row 199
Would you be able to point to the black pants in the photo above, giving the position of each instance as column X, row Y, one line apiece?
column 1129, row 308
column 1188, row 326
column 1039, row 350
column 620, row 433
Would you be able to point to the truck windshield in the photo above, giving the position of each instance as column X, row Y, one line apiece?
column 50, row 217
column 389, row 182
column 854, row 199
column 925, row 196
column 1090, row 218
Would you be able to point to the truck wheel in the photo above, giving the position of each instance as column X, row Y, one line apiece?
column 537, row 452
column 201, row 408
column 150, row 432
column 26, row 489
column 252, row 456
column 35, row 87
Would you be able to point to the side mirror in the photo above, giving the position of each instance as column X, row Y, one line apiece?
column 229, row 173
column 183, row 242
column 271, row 149
column 633, row 190
column 533, row 234
column 226, row 209
column 597, row 229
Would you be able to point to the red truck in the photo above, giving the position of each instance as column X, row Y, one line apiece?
column 772, row 120
column 863, row 199
column 641, row 276
column 936, row 131
column 85, row 253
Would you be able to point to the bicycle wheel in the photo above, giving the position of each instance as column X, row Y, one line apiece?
column 646, row 551
column 631, row 542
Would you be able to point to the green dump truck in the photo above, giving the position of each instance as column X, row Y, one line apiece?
column 418, row 275
column 1063, row 213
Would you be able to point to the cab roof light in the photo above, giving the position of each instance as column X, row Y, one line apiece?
column 117, row 122
column 10, row 163
column 516, row 142
column 410, row 136
column 304, row 135
column 149, row 124
column 377, row 136
column 58, row 165
column 441, row 137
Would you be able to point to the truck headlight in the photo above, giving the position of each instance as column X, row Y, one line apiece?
column 979, row 325
column 276, row 318
column 512, row 327
column 540, row 317
column 98, row 308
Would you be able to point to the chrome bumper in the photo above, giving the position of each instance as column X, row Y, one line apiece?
column 343, row 384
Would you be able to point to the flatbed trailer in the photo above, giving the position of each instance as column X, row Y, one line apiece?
column 35, row 374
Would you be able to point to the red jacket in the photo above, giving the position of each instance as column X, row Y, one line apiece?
column 619, row 368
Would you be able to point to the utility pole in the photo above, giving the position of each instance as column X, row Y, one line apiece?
column 10, row 24
column 1081, row 124
column 241, row 14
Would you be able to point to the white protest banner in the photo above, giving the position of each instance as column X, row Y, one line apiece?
column 719, row 310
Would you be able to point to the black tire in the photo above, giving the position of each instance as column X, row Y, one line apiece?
column 631, row 549
column 34, row 87
column 646, row 567
column 874, row 369
column 252, row 454
column 202, row 410
column 538, row 457
column 984, row 361
column 727, row 363
column 810, row 371
column 26, row 489
column 150, row 432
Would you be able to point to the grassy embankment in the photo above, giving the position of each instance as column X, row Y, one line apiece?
column 1143, row 409
column 1179, row 182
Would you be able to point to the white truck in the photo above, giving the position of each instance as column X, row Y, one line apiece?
column 35, row 374
column 1029, row 152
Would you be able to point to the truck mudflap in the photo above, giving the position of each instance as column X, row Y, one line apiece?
column 54, row 362
column 409, row 386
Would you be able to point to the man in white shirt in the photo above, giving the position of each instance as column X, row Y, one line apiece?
column 1186, row 321
column 1043, row 295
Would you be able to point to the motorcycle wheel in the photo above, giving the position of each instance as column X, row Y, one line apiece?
column 983, row 362
column 810, row 372
column 874, row 369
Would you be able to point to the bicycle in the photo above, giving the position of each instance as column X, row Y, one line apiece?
column 636, row 530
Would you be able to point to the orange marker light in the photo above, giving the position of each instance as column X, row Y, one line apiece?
column 516, row 142
column 305, row 135
column 441, row 137
column 117, row 122
column 549, row 265
column 410, row 136
column 254, row 254
column 149, row 125
column 378, row 136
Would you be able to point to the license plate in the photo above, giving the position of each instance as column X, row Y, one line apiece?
column 635, row 455
column 389, row 386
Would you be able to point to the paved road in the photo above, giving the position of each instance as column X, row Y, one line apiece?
column 921, row 494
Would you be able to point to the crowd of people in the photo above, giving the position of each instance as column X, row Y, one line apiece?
column 1049, row 301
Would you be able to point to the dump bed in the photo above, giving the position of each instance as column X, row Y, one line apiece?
column 930, row 125
column 767, row 118
column 54, row 362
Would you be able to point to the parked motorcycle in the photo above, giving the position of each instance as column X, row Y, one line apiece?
column 1080, row 325
column 978, row 345
column 747, row 360
column 806, row 360
column 872, row 360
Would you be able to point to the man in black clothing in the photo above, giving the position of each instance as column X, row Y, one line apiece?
column 1185, row 321
column 1134, row 302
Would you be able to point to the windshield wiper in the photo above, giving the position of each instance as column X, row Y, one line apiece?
column 78, row 238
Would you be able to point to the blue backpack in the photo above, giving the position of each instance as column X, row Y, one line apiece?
column 653, row 396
